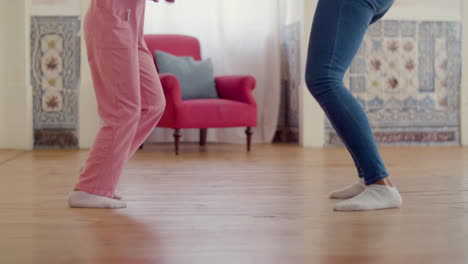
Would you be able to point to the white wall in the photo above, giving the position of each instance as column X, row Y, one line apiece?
column 312, row 118
column 3, row 55
column 15, row 90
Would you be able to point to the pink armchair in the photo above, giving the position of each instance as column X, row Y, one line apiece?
column 236, row 106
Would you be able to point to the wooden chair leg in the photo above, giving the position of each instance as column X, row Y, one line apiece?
column 203, row 135
column 177, row 136
column 249, row 133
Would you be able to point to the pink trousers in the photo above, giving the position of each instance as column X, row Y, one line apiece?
column 128, row 91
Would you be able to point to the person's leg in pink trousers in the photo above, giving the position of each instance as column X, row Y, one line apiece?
column 129, row 94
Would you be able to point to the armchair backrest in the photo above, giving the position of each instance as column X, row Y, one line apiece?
column 178, row 45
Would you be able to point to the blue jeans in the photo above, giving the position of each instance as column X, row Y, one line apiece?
column 337, row 32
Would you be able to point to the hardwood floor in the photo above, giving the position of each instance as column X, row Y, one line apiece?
column 225, row 206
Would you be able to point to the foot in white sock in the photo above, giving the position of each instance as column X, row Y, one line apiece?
column 350, row 191
column 374, row 197
column 79, row 199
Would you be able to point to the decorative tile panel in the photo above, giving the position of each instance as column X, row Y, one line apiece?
column 407, row 78
column 55, row 73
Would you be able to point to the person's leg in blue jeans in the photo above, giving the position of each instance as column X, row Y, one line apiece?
column 338, row 29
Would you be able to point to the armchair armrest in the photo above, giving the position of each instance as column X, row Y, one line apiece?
column 238, row 88
column 171, row 88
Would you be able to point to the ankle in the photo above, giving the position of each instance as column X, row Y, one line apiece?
column 385, row 182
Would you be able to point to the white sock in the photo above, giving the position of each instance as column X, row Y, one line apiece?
column 350, row 191
column 374, row 197
column 79, row 199
column 117, row 196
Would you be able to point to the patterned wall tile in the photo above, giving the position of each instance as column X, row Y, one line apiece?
column 391, row 29
column 375, row 30
column 55, row 73
column 408, row 28
column 358, row 84
column 454, row 31
column 410, row 83
column 359, row 66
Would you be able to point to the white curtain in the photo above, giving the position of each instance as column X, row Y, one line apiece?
column 241, row 37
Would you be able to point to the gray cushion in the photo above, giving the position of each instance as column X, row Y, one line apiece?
column 196, row 77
